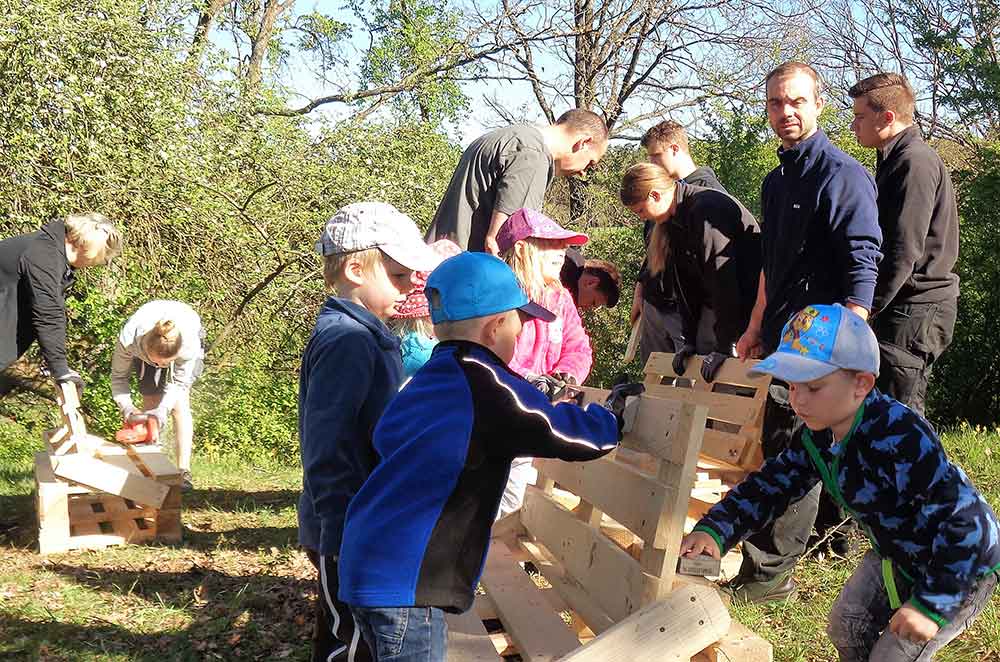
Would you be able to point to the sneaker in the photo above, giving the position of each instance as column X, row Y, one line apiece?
column 186, row 484
column 742, row 591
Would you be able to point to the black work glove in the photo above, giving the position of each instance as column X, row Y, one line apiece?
column 710, row 366
column 71, row 377
column 679, row 363
column 566, row 378
column 617, row 399
column 552, row 388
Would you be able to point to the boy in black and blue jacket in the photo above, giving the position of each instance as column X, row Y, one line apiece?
column 418, row 530
column 935, row 549
column 351, row 368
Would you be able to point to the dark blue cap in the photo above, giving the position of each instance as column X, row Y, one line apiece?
column 477, row 285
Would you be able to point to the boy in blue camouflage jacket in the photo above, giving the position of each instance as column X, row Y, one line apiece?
column 935, row 541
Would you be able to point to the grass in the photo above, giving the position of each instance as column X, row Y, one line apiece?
column 239, row 589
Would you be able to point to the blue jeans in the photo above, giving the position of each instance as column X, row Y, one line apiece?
column 860, row 617
column 404, row 634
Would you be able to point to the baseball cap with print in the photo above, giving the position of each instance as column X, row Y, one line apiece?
column 477, row 285
column 525, row 223
column 363, row 225
column 819, row 340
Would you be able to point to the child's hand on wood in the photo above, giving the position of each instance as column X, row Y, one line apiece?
column 909, row 624
column 698, row 543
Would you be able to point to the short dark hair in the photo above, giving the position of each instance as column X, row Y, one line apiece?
column 609, row 279
column 584, row 121
column 887, row 91
column 667, row 132
column 790, row 69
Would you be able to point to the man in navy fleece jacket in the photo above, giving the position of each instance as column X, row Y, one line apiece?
column 821, row 238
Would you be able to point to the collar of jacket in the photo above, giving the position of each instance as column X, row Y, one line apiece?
column 464, row 347
column 385, row 338
column 56, row 231
column 805, row 153
column 908, row 135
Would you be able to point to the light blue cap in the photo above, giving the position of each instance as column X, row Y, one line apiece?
column 472, row 285
column 820, row 340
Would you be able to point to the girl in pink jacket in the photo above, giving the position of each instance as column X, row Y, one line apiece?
column 535, row 248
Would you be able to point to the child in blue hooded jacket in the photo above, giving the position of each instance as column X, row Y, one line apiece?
column 935, row 541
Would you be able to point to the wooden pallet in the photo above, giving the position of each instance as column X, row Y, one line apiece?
column 604, row 537
column 91, row 493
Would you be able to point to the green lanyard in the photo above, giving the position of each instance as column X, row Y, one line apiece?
column 828, row 474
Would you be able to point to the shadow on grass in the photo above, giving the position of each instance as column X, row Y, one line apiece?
column 241, row 501
column 231, row 617
column 246, row 538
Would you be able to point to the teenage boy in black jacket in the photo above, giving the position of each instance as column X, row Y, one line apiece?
column 820, row 236
column 916, row 297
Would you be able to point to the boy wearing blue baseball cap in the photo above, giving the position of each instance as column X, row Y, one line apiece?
column 418, row 530
column 935, row 551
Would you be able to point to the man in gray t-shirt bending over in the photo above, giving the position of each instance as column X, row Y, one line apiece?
column 510, row 168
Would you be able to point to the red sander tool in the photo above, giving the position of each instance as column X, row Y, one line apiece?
column 139, row 429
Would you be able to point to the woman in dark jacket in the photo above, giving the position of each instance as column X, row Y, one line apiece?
column 713, row 244
column 36, row 271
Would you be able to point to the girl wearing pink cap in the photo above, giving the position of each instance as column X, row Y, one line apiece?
column 412, row 320
column 546, row 352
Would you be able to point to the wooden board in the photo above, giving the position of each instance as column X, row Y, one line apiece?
column 681, row 625
column 104, row 477
column 739, row 643
column 732, row 371
column 468, row 640
column 613, row 578
column 538, row 631
column 625, row 494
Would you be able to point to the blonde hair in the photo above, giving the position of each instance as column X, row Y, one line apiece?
column 469, row 329
column 164, row 339
column 639, row 181
column 527, row 265
column 403, row 326
column 334, row 265
column 94, row 235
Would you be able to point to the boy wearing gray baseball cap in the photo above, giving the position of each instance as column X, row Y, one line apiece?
column 935, row 552
column 351, row 368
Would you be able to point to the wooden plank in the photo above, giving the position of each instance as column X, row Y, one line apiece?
column 726, row 447
column 107, row 478
column 468, row 640
column 684, row 623
column 660, row 560
column 610, row 575
column 159, row 464
column 732, row 371
column 631, row 498
column 721, row 406
column 739, row 643
column 575, row 596
column 539, row 633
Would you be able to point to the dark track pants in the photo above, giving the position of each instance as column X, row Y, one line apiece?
column 336, row 637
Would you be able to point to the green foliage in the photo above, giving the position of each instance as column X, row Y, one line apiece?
column 964, row 383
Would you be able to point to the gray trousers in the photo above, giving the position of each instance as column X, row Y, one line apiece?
column 860, row 617
column 663, row 331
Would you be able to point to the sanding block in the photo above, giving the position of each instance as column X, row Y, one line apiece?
column 702, row 566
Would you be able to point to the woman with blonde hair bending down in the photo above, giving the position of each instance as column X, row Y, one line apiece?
column 708, row 245
column 161, row 343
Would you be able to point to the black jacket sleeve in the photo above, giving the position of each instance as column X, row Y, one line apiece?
column 44, row 266
column 906, row 204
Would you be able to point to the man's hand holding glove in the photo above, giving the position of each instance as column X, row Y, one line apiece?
column 71, row 377
column 710, row 366
column 619, row 398
column 679, row 364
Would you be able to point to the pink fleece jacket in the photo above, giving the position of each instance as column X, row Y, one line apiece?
column 561, row 345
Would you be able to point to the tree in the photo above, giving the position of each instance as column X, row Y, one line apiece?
column 633, row 62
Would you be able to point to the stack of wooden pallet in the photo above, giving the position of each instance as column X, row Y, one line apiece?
column 92, row 493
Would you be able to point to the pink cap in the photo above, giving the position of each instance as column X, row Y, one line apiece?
column 415, row 304
column 526, row 223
